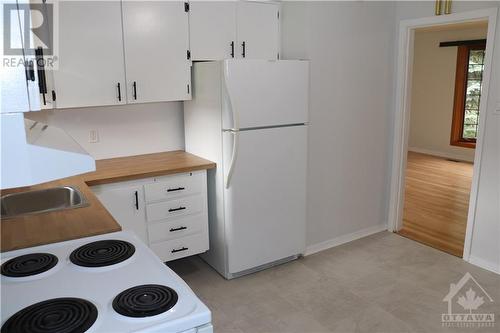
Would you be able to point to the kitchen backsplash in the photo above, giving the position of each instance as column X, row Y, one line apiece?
column 121, row 130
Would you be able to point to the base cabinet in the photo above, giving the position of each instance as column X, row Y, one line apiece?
column 125, row 202
column 168, row 213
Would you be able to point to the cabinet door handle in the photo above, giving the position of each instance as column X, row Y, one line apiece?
column 30, row 70
column 243, row 45
column 232, row 49
column 119, row 92
column 136, row 194
column 178, row 229
column 134, row 86
column 176, row 209
column 180, row 250
column 42, row 82
column 176, row 189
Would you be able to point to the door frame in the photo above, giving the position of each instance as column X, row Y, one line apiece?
column 402, row 112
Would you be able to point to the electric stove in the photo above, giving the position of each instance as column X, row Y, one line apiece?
column 107, row 283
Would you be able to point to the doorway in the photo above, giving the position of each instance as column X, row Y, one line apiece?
column 448, row 64
column 423, row 163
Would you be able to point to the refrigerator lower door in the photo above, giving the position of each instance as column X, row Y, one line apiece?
column 265, row 199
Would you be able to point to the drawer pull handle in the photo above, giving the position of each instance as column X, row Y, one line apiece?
column 176, row 189
column 179, row 250
column 178, row 229
column 176, row 209
column 134, row 87
column 119, row 92
column 136, row 194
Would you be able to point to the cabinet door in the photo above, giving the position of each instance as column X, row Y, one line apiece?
column 91, row 65
column 212, row 29
column 21, row 72
column 258, row 30
column 156, row 43
column 41, row 90
column 126, row 205
column 14, row 93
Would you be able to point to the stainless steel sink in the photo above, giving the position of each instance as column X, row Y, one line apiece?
column 40, row 201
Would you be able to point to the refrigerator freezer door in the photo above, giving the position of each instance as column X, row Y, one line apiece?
column 261, row 93
column 265, row 202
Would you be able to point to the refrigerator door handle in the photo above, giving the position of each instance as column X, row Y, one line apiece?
column 234, row 156
column 235, row 114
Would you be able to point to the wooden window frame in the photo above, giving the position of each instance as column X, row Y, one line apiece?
column 457, row 124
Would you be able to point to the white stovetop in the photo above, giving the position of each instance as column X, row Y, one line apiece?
column 101, row 285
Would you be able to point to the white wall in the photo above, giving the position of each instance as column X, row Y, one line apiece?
column 433, row 91
column 123, row 130
column 485, row 249
column 350, row 47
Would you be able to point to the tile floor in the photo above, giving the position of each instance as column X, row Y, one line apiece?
column 381, row 283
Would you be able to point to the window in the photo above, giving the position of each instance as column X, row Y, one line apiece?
column 468, row 82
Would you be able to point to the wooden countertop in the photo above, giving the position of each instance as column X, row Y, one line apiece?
column 52, row 227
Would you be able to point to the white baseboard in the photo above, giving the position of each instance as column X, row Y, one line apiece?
column 441, row 154
column 311, row 249
column 484, row 264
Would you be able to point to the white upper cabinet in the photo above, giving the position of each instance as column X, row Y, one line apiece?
column 41, row 90
column 231, row 29
column 117, row 52
column 258, row 30
column 212, row 29
column 156, row 38
column 91, row 64
column 24, row 84
column 13, row 86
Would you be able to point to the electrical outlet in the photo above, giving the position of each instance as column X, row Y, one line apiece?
column 93, row 136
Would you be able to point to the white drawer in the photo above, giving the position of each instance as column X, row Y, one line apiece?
column 176, row 186
column 182, row 227
column 181, row 247
column 179, row 207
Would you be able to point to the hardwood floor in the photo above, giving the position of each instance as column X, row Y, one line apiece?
column 436, row 202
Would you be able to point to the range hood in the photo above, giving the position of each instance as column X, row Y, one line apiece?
column 34, row 153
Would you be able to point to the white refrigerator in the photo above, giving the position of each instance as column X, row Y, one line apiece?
column 250, row 117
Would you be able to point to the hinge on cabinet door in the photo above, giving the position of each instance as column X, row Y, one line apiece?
column 186, row 7
column 188, row 88
column 53, row 95
column 188, row 54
